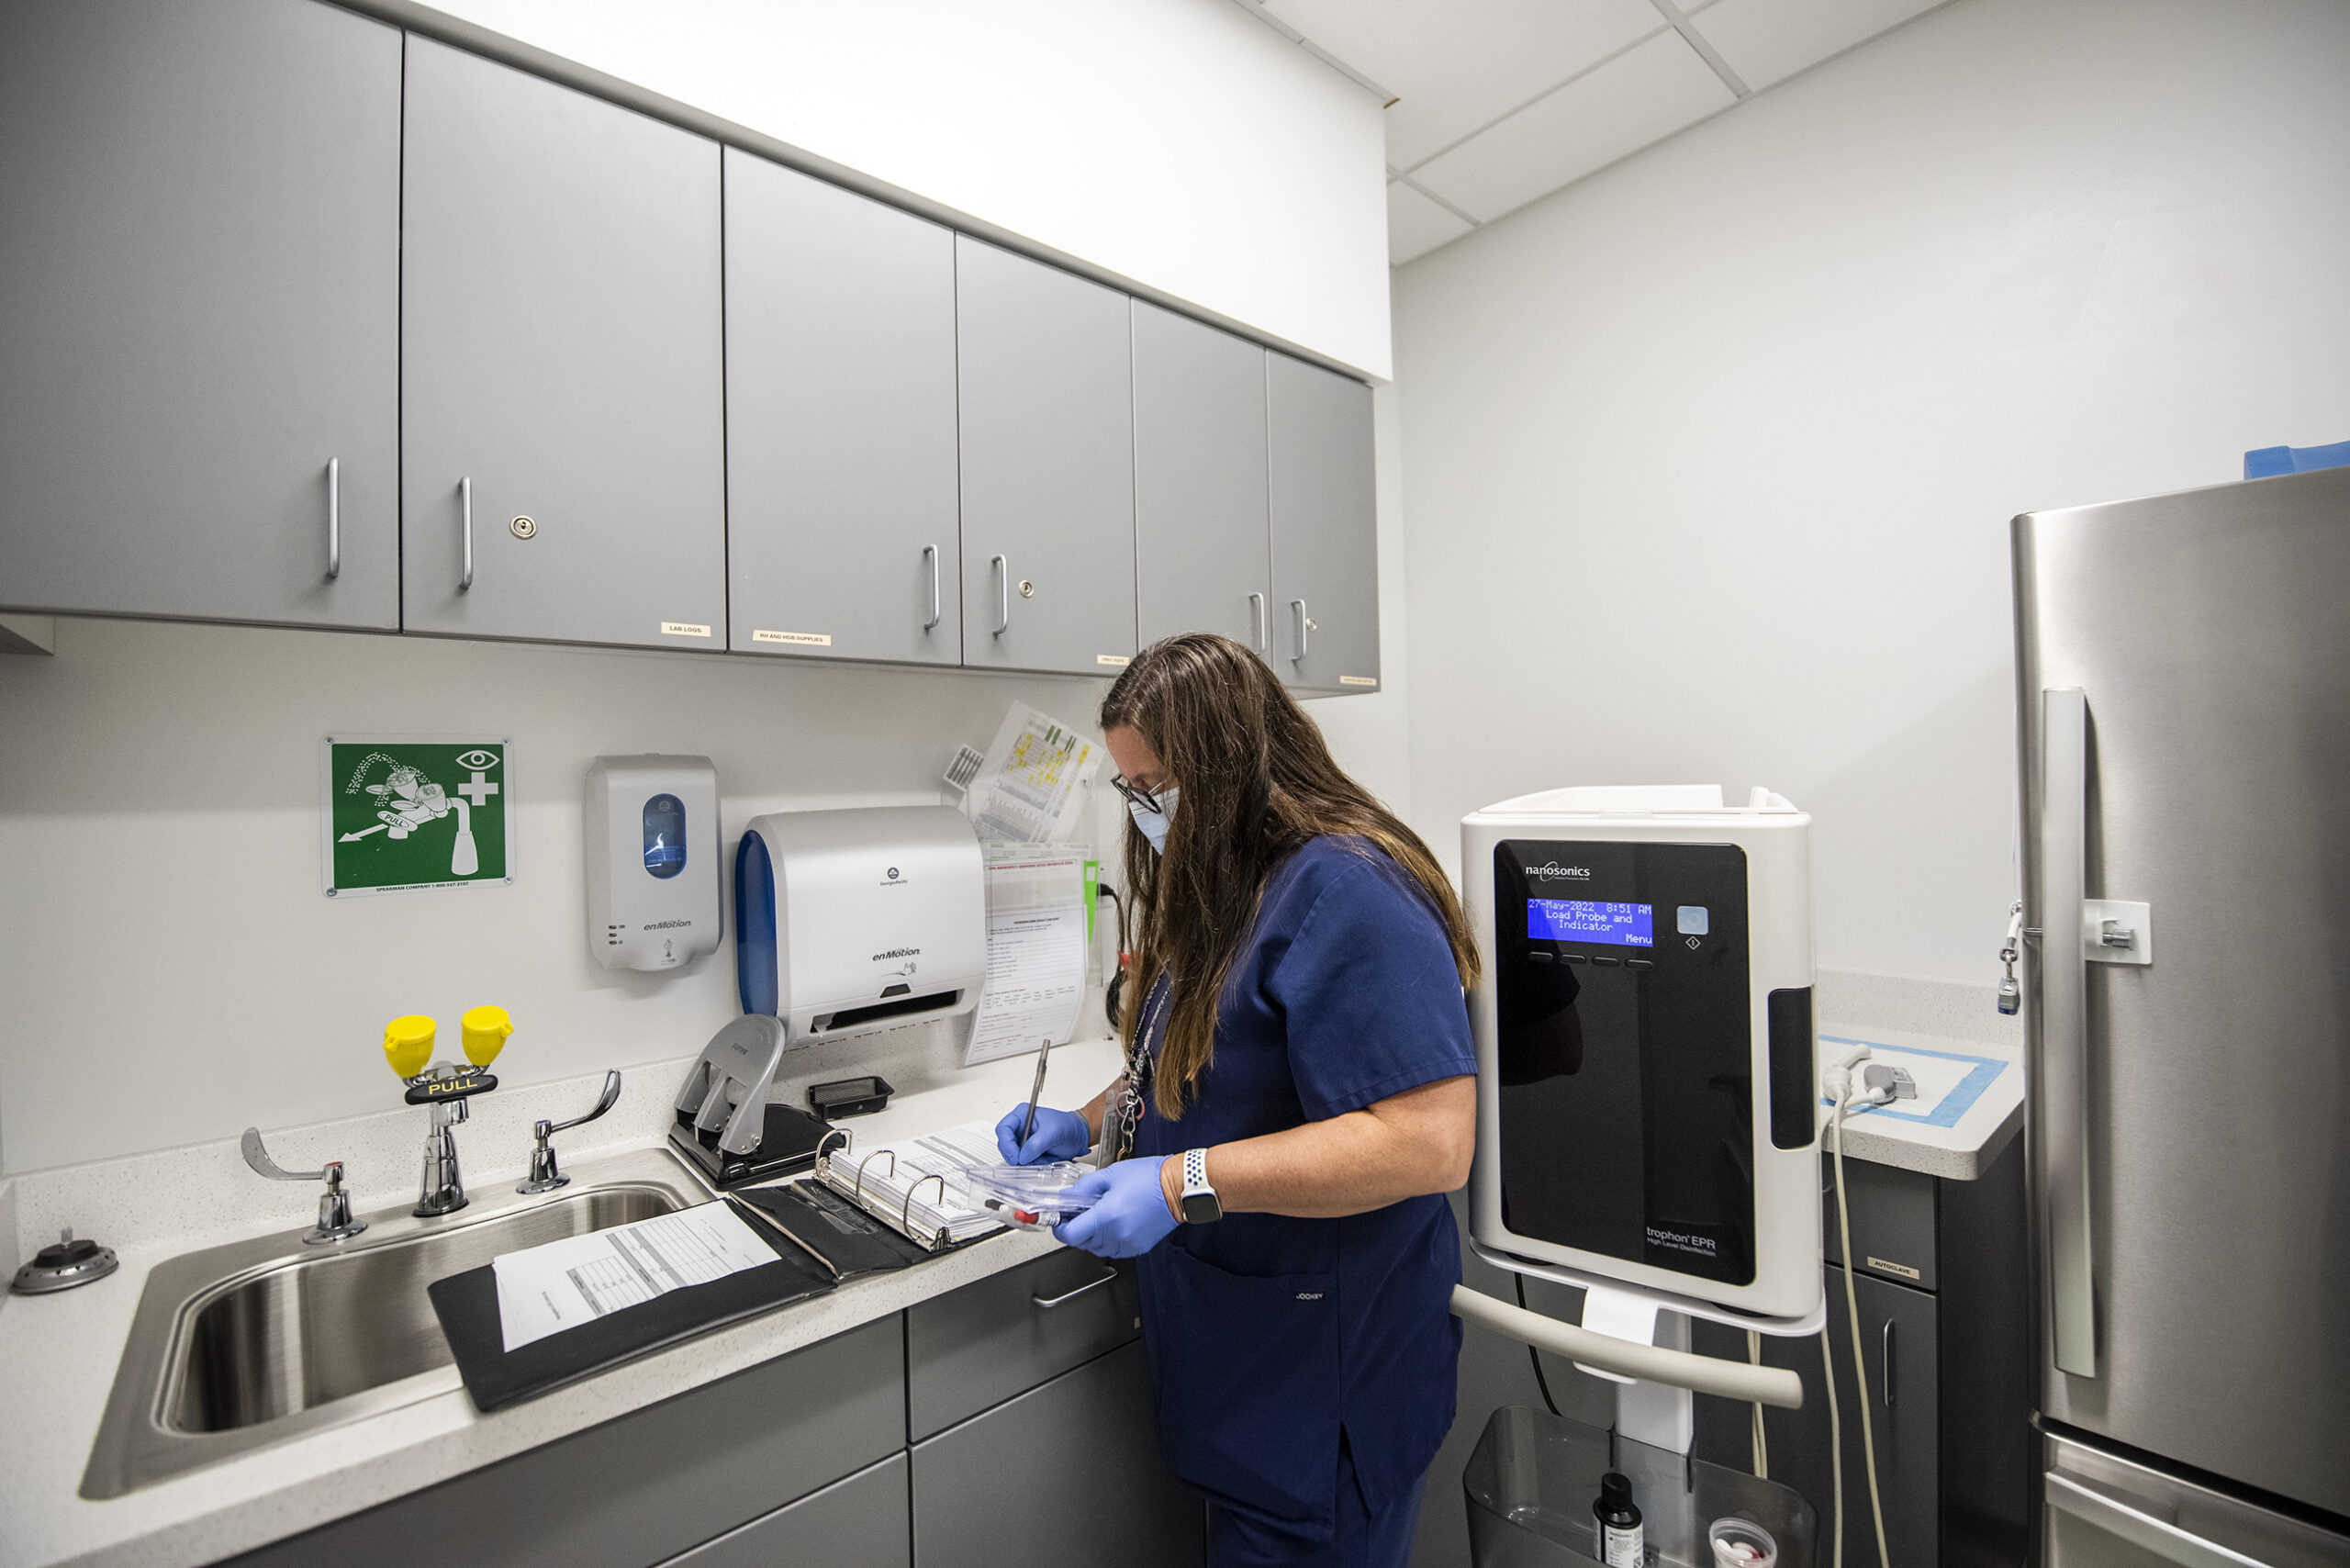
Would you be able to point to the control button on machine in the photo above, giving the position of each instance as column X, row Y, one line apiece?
column 1572, row 959
column 1603, row 960
column 1638, row 964
column 1540, row 958
column 1691, row 920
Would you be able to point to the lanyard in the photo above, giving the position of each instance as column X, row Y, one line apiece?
column 1141, row 1065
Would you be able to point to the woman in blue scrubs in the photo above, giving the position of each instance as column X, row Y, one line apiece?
column 1299, row 1096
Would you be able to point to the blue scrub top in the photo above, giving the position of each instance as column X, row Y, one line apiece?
column 1269, row 1336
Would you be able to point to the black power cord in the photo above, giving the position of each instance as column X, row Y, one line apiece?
column 1532, row 1354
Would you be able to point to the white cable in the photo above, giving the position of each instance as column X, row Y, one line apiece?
column 1762, row 1442
column 1844, row 1104
column 1835, row 1443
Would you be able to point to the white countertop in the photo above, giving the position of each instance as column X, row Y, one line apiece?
column 1957, row 1136
column 57, row 1353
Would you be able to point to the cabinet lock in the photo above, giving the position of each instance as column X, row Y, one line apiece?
column 522, row 527
column 1027, row 588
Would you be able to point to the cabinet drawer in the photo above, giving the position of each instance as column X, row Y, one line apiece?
column 648, row 1486
column 1893, row 1220
column 1085, row 1438
column 861, row 1522
column 1002, row 1336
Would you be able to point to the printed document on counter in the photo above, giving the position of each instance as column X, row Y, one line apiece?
column 894, row 1179
column 562, row 1285
column 1036, row 951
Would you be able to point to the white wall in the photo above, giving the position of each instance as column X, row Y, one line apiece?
column 1709, row 460
column 1181, row 143
column 172, row 972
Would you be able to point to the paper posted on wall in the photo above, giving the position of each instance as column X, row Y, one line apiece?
column 1031, row 787
column 1036, row 950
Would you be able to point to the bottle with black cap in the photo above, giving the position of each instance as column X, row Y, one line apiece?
column 1622, row 1542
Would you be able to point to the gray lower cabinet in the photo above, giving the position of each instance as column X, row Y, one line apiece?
column 998, row 1336
column 199, row 373
column 562, row 384
column 1068, row 1473
column 1325, row 526
column 842, row 509
column 862, row 1522
column 1046, row 383
column 642, row 1488
column 1203, row 545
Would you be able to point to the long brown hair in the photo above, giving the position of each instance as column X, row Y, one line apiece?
column 1257, row 781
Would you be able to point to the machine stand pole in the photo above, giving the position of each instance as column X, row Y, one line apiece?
column 1658, row 1414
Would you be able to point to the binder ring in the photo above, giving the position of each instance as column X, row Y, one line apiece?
column 830, row 1134
column 860, row 1193
column 906, row 1209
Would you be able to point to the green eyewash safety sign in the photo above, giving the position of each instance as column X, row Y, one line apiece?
column 406, row 811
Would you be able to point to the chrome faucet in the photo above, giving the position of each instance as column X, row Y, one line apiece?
column 446, row 1088
column 545, row 1177
column 335, row 1222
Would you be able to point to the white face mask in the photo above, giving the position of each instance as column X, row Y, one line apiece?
column 1154, row 824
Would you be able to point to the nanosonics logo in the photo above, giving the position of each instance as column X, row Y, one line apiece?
column 896, row 953
column 1553, row 869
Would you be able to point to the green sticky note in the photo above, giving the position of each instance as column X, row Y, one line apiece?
column 1093, row 896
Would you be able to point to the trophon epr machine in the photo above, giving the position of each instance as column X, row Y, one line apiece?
column 1646, row 1098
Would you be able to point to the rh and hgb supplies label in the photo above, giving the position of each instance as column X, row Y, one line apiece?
column 409, row 812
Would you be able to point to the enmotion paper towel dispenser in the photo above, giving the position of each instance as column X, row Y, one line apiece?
column 851, row 921
column 1646, row 1097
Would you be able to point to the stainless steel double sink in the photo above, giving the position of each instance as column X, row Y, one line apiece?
column 237, row 1347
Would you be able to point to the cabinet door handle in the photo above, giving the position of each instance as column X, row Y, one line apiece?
column 1003, row 594
column 2062, row 997
column 1300, row 623
column 1257, row 609
column 334, row 518
column 1887, row 1348
column 466, row 526
column 931, row 553
column 1049, row 1302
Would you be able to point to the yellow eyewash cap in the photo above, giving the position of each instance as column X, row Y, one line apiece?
column 486, row 1029
column 408, row 1042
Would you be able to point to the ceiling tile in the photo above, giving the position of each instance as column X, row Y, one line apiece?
column 1417, row 224
column 1639, row 97
column 1769, row 40
column 1455, row 66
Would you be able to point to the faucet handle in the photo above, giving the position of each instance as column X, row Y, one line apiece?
column 335, row 1220
column 258, row 1157
column 545, row 1176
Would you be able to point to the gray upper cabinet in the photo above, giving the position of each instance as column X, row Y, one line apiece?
column 839, row 423
column 1046, row 384
column 562, row 365
column 1326, row 533
column 1203, row 548
column 200, row 249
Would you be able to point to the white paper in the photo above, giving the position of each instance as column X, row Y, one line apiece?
column 1036, row 953
column 886, row 1174
column 1619, row 1315
column 562, row 1285
column 1031, row 788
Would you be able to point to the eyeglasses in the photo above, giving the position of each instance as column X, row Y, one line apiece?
column 1147, row 798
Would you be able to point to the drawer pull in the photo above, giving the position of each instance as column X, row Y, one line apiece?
column 1049, row 1302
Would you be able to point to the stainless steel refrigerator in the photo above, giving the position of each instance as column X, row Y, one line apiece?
column 2183, row 706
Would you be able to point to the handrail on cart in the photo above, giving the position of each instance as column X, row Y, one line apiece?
column 1746, row 1383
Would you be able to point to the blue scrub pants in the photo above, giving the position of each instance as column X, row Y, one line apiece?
column 1362, row 1540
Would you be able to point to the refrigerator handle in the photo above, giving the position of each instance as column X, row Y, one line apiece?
column 2063, row 1024
column 2092, row 1505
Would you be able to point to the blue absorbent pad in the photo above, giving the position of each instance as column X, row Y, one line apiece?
column 2271, row 461
column 1980, row 1073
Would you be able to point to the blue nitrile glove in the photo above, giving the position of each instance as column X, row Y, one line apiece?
column 1058, row 1134
column 1130, row 1216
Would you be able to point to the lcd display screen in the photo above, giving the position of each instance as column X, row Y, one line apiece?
column 1583, row 920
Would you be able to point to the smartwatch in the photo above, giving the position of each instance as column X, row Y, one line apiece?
column 1198, row 1203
